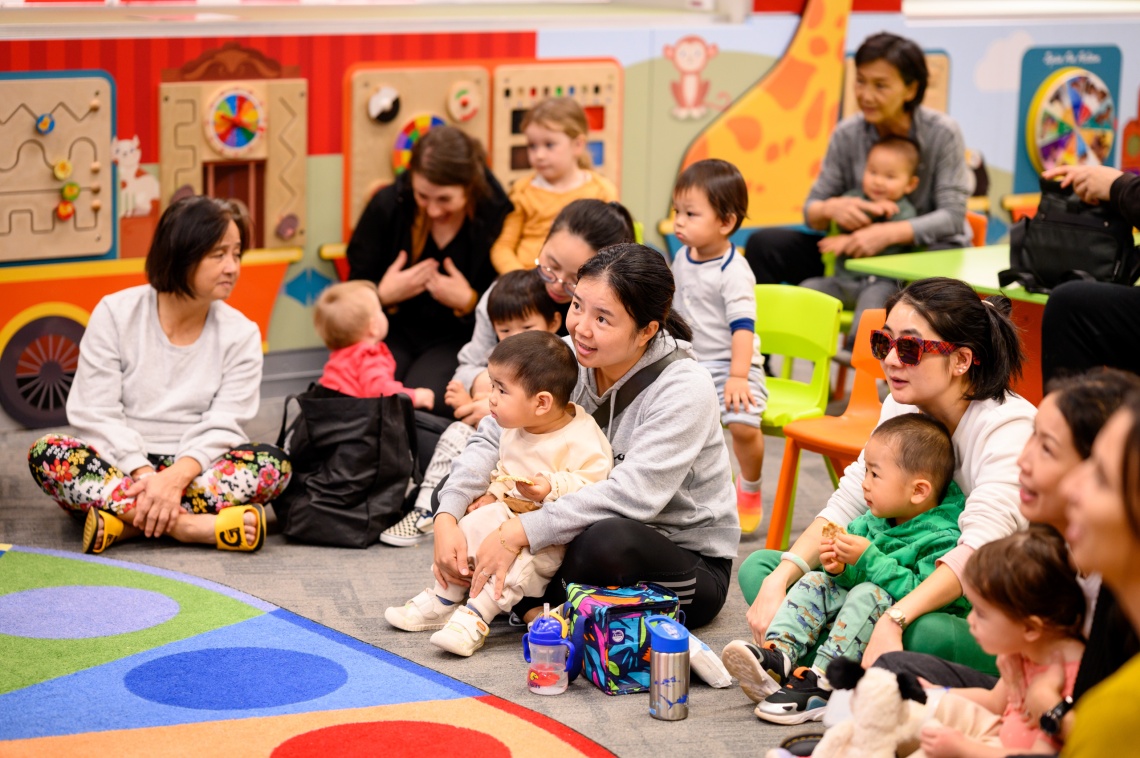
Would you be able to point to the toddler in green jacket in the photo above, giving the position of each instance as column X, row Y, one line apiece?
column 912, row 522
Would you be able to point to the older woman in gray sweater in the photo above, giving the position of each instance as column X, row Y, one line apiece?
column 168, row 374
column 667, row 514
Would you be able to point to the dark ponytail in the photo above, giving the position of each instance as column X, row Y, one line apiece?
column 642, row 282
column 956, row 313
column 597, row 223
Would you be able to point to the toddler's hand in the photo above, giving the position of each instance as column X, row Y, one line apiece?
column 836, row 243
column 536, row 492
column 424, row 398
column 483, row 500
column 939, row 741
column 481, row 387
column 737, row 395
column 456, row 394
column 849, row 547
column 831, row 564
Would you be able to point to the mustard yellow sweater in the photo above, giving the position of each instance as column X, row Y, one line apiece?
column 526, row 227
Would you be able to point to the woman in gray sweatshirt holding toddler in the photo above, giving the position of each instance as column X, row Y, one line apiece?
column 667, row 513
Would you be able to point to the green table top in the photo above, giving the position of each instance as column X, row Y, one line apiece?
column 976, row 266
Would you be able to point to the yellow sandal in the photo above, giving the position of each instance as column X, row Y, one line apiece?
column 112, row 530
column 229, row 528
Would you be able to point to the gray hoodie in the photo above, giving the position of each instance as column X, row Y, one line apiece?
column 671, row 467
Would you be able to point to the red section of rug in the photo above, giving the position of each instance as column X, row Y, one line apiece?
column 393, row 739
column 561, row 731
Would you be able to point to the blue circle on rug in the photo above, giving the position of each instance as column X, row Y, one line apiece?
column 77, row 612
column 235, row 678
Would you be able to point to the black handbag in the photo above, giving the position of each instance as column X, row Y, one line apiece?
column 1069, row 240
column 353, row 459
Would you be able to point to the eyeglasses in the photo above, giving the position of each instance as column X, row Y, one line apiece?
column 908, row 349
column 546, row 274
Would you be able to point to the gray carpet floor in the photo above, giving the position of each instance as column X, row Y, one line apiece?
column 348, row 590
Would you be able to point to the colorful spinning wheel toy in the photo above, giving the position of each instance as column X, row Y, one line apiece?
column 235, row 122
column 409, row 135
column 1072, row 120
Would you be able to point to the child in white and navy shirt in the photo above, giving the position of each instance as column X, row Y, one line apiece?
column 716, row 295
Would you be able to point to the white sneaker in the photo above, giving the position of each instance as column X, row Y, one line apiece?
column 423, row 613
column 414, row 528
column 464, row 634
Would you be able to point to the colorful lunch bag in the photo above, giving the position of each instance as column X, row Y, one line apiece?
column 607, row 627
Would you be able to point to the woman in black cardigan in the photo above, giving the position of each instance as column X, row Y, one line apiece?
column 426, row 240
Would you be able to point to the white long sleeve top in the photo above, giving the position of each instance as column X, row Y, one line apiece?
column 135, row 393
column 987, row 442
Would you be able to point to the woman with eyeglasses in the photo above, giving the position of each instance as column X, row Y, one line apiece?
column 953, row 356
column 581, row 229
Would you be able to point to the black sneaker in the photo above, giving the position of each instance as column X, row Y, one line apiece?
column 801, row 699
column 761, row 671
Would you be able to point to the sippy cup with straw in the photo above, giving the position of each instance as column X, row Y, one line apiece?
column 548, row 653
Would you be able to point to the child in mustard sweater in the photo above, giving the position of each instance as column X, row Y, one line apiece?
column 556, row 131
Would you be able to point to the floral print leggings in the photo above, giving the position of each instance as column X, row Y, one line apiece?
column 73, row 474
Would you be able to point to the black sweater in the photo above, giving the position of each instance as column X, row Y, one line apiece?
column 1125, row 197
column 385, row 228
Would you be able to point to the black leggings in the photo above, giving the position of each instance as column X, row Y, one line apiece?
column 619, row 552
column 779, row 256
column 430, row 367
column 1089, row 324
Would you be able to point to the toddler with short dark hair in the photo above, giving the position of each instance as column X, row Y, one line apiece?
column 879, row 558
column 549, row 447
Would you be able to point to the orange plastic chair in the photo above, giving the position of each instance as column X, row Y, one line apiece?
column 839, row 439
column 978, row 223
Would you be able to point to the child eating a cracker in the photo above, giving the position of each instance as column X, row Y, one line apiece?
column 880, row 557
column 549, row 447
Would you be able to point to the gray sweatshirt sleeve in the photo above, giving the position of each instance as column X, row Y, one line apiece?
column 473, row 356
column 219, row 430
column 95, row 402
column 950, row 190
column 471, row 471
column 672, row 430
column 837, row 174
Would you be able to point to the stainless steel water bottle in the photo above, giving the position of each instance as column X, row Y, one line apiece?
column 668, row 669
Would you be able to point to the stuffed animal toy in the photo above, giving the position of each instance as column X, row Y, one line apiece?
column 881, row 717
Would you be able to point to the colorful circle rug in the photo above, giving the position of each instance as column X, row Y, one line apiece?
column 103, row 657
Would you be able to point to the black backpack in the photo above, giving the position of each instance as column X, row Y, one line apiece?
column 353, row 459
column 1069, row 240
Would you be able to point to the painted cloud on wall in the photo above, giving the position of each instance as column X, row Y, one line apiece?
column 999, row 68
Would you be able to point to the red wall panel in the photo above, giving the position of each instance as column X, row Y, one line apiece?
column 137, row 65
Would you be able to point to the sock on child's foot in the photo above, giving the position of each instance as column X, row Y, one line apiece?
column 484, row 604
column 445, row 601
column 747, row 486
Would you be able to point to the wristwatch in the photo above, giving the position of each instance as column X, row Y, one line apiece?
column 1051, row 719
column 897, row 616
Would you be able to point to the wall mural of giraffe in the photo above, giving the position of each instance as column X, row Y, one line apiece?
column 777, row 131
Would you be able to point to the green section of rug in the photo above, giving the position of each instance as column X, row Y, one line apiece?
column 29, row 661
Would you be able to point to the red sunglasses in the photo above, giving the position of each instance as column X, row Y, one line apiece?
column 908, row 349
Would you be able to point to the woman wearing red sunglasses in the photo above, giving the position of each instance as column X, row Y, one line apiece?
column 953, row 356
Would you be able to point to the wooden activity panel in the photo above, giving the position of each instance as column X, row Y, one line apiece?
column 390, row 108
column 595, row 84
column 1071, row 120
column 937, row 95
column 239, row 139
column 57, row 182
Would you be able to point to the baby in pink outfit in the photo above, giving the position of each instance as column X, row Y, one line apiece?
column 352, row 325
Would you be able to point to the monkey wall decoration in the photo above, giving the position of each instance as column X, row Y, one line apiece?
column 690, row 56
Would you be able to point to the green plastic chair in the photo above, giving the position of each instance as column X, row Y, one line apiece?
column 798, row 324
